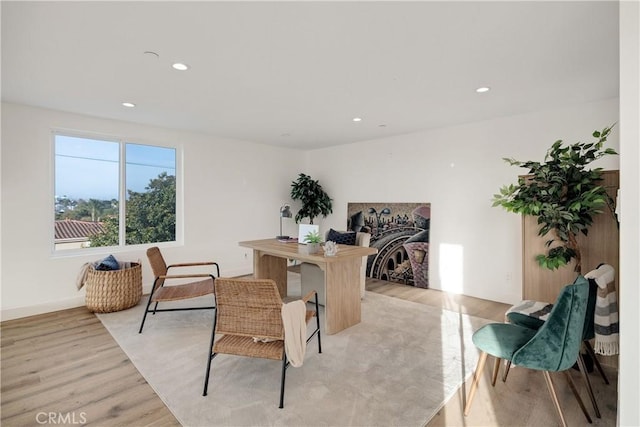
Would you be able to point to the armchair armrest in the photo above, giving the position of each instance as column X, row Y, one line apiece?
column 192, row 264
column 196, row 264
column 184, row 276
column 307, row 297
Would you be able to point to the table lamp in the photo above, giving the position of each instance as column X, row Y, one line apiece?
column 285, row 212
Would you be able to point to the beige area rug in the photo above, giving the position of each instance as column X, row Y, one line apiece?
column 398, row 367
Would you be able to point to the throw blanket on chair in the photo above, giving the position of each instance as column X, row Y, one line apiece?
column 539, row 310
column 606, row 316
column 295, row 331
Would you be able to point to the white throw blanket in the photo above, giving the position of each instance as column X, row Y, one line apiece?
column 606, row 316
column 295, row 331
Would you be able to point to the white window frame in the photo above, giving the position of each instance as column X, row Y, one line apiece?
column 122, row 246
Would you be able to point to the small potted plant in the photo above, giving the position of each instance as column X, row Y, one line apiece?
column 313, row 240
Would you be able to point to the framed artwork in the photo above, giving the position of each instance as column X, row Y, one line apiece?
column 400, row 232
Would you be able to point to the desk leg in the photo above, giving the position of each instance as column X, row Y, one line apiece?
column 271, row 267
column 342, row 293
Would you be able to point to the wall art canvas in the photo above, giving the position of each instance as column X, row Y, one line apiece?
column 400, row 232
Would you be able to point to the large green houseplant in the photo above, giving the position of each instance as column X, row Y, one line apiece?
column 315, row 201
column 563, row 194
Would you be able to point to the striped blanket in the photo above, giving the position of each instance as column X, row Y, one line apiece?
column 606, row 315
column 538, row 309
column 605, row 320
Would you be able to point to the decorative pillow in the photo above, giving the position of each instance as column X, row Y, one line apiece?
column 343, row 238
column 107, row 264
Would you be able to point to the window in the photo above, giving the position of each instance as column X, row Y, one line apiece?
column 99, row 182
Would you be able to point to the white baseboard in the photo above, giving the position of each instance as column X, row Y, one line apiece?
column 48, row 307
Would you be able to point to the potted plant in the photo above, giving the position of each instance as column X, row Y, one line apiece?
column 563, row 194
column 313, row 240
column 315, row 201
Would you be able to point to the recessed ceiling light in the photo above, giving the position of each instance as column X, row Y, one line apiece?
column 180, row 66
column 483, row 89
column 128, row 104
column 357, row 119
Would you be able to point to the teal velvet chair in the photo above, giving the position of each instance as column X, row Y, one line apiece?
column 554, row 347
column 528, row 314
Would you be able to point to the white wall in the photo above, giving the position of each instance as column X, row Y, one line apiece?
column 232, row 192
column 457, row 170
column 629, row 373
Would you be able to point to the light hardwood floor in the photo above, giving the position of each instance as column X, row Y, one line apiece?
column 65, row 365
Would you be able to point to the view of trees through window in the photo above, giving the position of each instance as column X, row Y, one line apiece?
column 99, row 181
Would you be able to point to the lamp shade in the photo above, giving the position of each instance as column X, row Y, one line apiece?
column 285, row 212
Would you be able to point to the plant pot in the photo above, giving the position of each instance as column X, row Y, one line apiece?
column 313, row 248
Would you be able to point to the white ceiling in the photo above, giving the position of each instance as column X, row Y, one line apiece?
column 294, row 74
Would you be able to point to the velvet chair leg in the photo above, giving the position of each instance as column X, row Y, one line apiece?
column 585, row 377
column 592, row 353
column 573, row 388
column 507, row 366
column 496, row 369
column 476, row 379
column 554, row 397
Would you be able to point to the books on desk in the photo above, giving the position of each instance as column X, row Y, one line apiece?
column 289, row 240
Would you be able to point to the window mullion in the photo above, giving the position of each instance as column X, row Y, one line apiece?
column 91, row 175
column 122, row 227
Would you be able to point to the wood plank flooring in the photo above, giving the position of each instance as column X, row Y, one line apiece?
column 66, row 366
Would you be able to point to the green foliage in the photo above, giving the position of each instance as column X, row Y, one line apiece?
column 313, row 237
column 315, row 201
column 109, row 236
column 150, row 216
column 85, row 210
column 563, row 194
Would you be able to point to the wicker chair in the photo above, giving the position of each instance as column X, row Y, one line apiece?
column 162, row 293
column 249, row 323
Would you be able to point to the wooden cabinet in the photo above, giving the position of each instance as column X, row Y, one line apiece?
column 600, row 245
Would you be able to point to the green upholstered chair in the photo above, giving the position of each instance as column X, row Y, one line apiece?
column 532, row 315
column 554, row 347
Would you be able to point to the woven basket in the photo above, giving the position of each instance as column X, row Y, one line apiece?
column 115, row 290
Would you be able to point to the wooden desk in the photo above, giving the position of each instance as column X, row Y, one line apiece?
column 341, row 276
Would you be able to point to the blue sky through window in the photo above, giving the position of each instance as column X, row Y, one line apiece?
column 145, row 163
column 89, row 168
